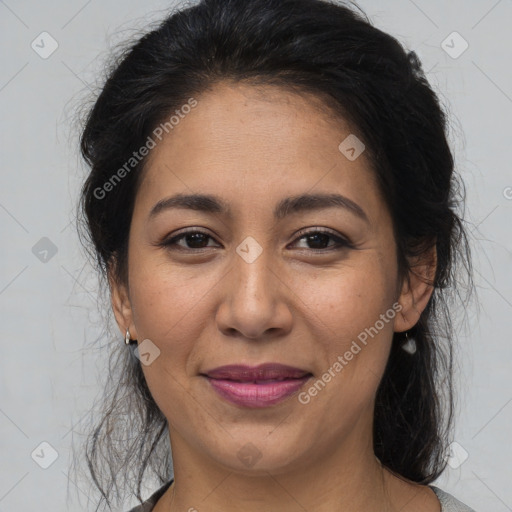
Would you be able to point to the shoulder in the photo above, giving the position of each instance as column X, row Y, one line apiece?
column 449, row 503
column 150, row 503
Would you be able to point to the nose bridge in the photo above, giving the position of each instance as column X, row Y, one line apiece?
column 253, row 268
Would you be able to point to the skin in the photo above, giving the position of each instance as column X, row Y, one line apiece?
column 298, row 304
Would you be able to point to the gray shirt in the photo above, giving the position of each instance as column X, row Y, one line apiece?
column 448, row 502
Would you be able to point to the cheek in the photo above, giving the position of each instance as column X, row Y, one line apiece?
column 167, row 301
column 354, row 316
column 171, row 311
column 352, row 297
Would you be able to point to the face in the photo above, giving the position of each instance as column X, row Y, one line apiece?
column 315, row 287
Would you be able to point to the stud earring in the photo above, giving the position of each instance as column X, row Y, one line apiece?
column 410, row 344
column 127, row 338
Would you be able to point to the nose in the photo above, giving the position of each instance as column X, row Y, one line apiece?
column 255, row 301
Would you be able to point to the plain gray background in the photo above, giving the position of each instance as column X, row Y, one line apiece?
column 48, row 300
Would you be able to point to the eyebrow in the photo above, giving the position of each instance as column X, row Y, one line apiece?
column 291, row 205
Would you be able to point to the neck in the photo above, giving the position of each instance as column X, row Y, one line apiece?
column 351, row 481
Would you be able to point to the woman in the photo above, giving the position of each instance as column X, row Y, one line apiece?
column 273, row 202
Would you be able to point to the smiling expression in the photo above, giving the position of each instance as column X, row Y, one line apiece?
column 255, row 240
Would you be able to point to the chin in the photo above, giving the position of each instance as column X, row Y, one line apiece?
column 259, row 453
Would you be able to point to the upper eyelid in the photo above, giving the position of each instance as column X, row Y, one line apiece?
column 317, row 229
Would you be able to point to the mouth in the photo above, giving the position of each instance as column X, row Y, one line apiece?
column 256, row 387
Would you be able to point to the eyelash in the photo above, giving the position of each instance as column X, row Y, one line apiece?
column 341, row 243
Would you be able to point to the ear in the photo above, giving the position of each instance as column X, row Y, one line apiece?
column 121, row 304
column 417, row 289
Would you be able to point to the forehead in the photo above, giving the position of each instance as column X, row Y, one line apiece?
column 258, row 142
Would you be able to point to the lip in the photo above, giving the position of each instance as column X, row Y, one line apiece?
column 256, row 386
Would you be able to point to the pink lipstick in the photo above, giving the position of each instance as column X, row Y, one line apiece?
column 256, row 387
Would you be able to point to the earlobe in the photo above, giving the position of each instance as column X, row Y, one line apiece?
column 121, row 304
column 416, row 292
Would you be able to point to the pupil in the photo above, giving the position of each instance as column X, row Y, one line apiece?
column 323, row 238
column 196, row 239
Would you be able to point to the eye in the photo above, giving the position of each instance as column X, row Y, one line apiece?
column 319, row 239
column 193, row 239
